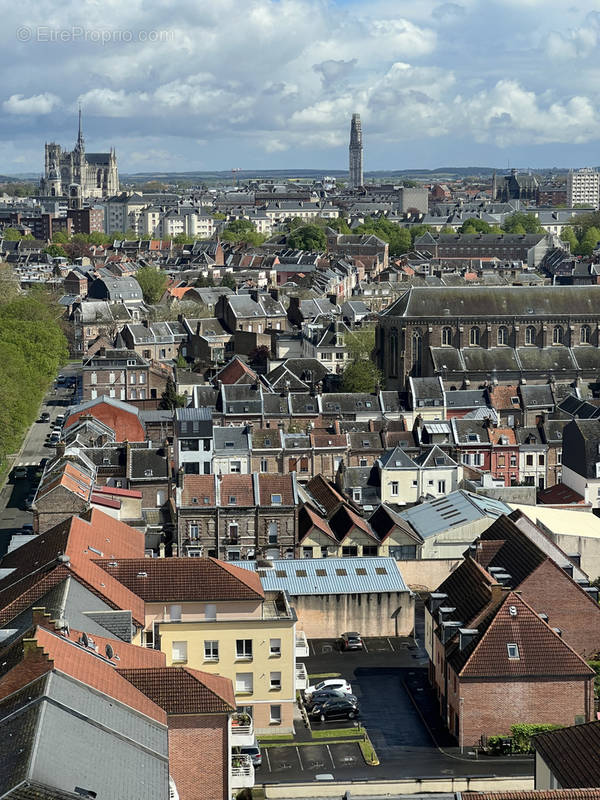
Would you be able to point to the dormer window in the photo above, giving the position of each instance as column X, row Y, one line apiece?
column 275, row 499
column 194, row 499
column 148, row 473
column 267, row 443
column 232, row 500
column 229, row 444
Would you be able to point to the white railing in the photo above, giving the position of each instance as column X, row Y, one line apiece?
column 301, row 676
column 242, row 730
column 242, row 771
column 302, row 650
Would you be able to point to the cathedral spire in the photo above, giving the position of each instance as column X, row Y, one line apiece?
column 80, row 144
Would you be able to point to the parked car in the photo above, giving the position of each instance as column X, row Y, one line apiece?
column 252, row 750
column 19, row 473
column 330, row 683
column 60, row 379
column 340, row 708
column 45, row 416
column 318, row 698
column 351, row 641
column 60, row 420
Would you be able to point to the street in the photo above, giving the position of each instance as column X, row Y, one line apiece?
column 14, row 492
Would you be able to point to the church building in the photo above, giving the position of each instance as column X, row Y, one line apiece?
column 96, row 174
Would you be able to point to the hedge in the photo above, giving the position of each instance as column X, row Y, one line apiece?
column 520, row 736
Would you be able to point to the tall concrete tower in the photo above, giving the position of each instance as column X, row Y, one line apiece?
column 356, row 153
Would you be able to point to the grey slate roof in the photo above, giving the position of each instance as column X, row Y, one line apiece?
column 457, row 508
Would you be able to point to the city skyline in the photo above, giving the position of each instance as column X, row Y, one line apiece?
column 435, row 84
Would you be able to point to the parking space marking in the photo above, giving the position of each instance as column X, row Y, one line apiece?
column 331, row 757
column 266, row 752
column 390, row 644
column 365, row 646
column 299, row 759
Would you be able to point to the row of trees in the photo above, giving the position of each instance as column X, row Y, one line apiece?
column 32, row 348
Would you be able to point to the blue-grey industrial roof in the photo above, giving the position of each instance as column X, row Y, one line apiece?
column 307, row 576
column 456, row 508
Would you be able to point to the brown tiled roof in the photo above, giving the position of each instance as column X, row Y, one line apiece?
column 198, row 486
column 572, row 754
column 130, row 655
column 236, row 372
column 538, row 794
column 164, row 580
column 542, row 652
column 239, row 486
column 260, row 434
column 324, row 493
column 328, row 440
column 275, row 484
column 496, row 433
column 486, row 550
column 500, row 397
column 179, row 690
column 560, row 494
column 319, row 523
column 519, row 555
column 85, row 666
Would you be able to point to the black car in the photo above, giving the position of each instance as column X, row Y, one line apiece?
column 45, row 416
column 340, row 708
column 351, row 641
column 318, row 698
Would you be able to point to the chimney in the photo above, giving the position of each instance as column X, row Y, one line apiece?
column 254, row 295
column 435, row 600
column 449, row 629
column 161, row 550
column 180, row 474
column 575, row 559
column 60, row 449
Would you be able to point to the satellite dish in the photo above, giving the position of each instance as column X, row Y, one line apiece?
column 109, row 651
column 84, row 640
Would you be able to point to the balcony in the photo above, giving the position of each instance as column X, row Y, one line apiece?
column 242, row 771
column 302, row 650
column 242, row 730
column 301, row 676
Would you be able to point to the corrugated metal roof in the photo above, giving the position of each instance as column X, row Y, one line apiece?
column 307, row 576
column 457, row 508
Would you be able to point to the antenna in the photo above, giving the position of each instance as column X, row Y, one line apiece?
column 109, row 651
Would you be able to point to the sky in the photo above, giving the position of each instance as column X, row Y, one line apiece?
column 182, row 85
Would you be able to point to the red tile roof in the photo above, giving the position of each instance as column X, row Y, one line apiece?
column 164, row 580
column 324, row 493
column 328, row 440
column 198, row 486
column 126, row 424
column 179, row 690
column 560, row 494
column 112, row 490
column 99, row 500
column 496, row 433
column 538, row 794
column 268, row 485
column 500, row 397
column 319, row 523
column 236, row 372
column 84, row 665
column 542, row 652
column 130, row 655
column 239, row 486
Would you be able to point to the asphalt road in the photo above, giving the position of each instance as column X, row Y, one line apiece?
column 14, row 492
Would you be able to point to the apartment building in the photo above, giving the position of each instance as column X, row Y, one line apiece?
column 583, row 188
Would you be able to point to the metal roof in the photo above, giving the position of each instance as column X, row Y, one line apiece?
column 457, row 508
column 307, row 576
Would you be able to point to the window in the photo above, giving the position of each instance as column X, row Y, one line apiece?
column 530, row 335
column 559, row 456
column 394, row 485
column 264, row 465
column 557, row 335
column 275, row 715
column 307, row 552
column 404, row 552
column 513, row 651
column 502, row 335
column 273, row 533
column 501, row 461
column 175, row 613
column 513, row 459
column 275, row 647
column 211, row 650
column 541, row 460
column 194, row 532
column 474, row 336
column 178, row 652
column 356, row 495
column 441, row 487
column 132, row 378
column 529, row 460
column 236, row 466
column 350, row 552
column 369, row 550
column 244, row 682
column 210, row 611
column 584, row 334
column 275, row 499
column 304, row 464
column 275, row 681
column 233, row 532
column 243, row 648
column 187, row 445
column 446, row 337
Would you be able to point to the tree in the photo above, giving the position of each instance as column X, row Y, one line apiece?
column 361, row 376
column 242, row 231
column 477, row 226
column 360, row 342
column 181, row 362
column 11, row 234
column 60, row 237
column 568, row 235
column 183, row 238
column 522, row 223
column 153, row 283
column 308, row 237
column 229, row 281
column 169, row 398
column 589, row 242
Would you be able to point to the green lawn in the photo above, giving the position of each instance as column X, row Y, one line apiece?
column 368, row 751
column 336, row 733
column 320, row 676
column 279, row 737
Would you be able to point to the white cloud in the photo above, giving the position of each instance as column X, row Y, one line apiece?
column 28, row 106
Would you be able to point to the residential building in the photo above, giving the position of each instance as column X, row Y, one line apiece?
column 193, row 441
column 583, row 188
column 403, row 480
column 581, row 459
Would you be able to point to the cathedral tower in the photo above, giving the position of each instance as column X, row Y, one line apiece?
column 356, row 153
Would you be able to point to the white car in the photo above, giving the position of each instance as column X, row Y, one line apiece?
column 330, row 683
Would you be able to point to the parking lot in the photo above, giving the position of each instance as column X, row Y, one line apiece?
column 279, row 763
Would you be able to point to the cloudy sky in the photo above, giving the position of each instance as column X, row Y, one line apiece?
column 187, row 85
